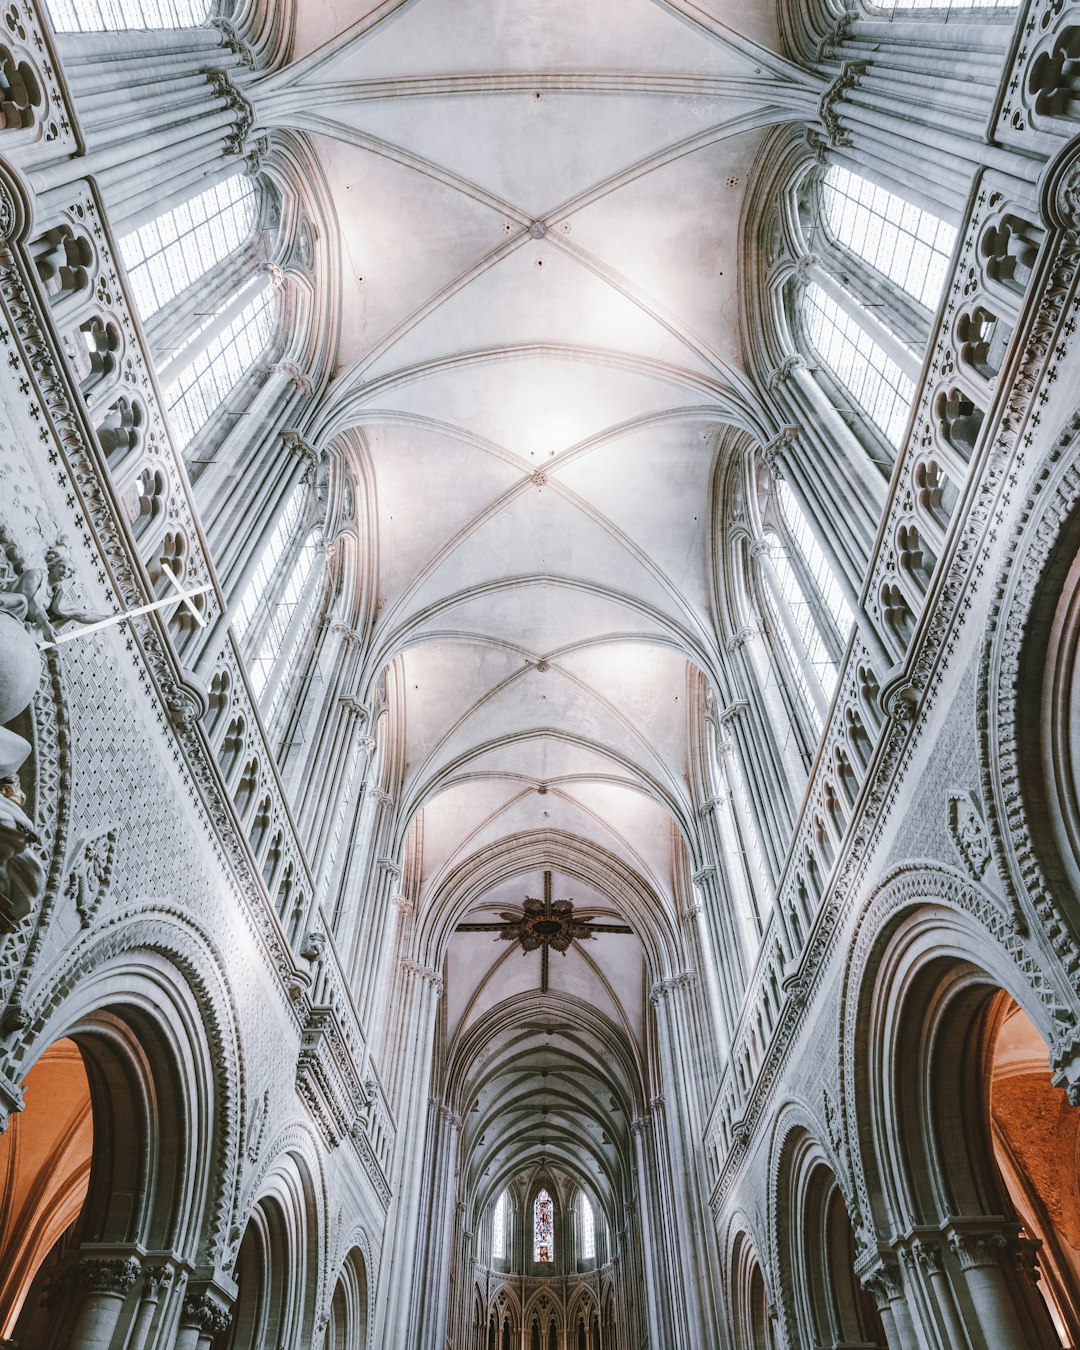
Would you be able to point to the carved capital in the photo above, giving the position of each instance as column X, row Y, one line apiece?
column 109, row 1275
column 296, row 377
column 205, row 1313
column 976, row 1251
column 850, row 77
column 230, row 38
column 237, row 103
column 301, row 448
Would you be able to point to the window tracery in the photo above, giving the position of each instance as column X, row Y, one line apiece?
column 499, row 1225
column 256, row 594
column 588, row 1229
column 909, row 246
column 290, row 620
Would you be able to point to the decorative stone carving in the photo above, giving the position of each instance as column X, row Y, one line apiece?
column 850, row 77
column 206, row 1313
column 969, row 833
column 90, row 873
column 237, row 103
column 108, row 1276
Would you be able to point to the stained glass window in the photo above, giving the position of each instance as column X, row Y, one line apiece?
column 499, row 1226
column 543, row 1227
column 588, row 1229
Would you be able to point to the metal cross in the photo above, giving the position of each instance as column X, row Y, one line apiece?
column 543, row 924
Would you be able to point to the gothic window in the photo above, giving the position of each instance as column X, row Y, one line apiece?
column 900, row 240
column 543, row 1227
column 256, row 595
column 814, row 559
column 175, row 249
column 900, row 6
column 860, row 363
column 218, row 364
column 97, row 16
column 588, row 1230
column 290, row 620
column 499, row 1224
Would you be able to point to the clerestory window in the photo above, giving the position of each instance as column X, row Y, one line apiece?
column 588, row 1229
column 909, row 246
column 253, row 603
column 219, row 362
column 858, row 362
column 175, row 249
column 543, row 1227
column 500, row 1223
column 272, row 669
column 103, row 16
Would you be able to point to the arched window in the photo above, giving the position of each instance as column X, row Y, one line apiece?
column 944, row 6
column 543, row 1227
column 253, row 602
column 898, row 239
column 860, row 363
column 588, row 1229
column 164, row 256
column 811, row 617
column 499, row 1223
column 814, row 559
column 290, row 620
column 101, row 16
column 217, row 365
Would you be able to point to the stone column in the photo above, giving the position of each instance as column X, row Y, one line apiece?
column 981, row 1257
column 421, row 989
column 107, row 1282
column 205, row 1313
column 155, row 1281
column 883, row 1281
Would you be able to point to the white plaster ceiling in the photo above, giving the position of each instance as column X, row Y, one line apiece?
column 539, row 205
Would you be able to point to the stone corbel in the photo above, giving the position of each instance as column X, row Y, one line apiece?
column 850, row 77
column 236, row 102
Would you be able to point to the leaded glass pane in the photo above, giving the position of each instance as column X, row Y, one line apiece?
column 543, row 1227
column 102, row 16
column 588, row 1229
column 906, row 244
column 872, row 377
column 498, row 1226
column 204, row 383
column 258, row 588
column 289, row 623
column 169, row 253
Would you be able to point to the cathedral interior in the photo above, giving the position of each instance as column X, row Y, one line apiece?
column 539, row 627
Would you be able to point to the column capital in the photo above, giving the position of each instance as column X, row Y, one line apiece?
column 222, row 83
column 426, row 974
column 206, row 1311
column 109, row 1275
column 298, row 445
column 850, row 77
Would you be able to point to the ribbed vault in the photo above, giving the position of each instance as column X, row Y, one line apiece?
column 540, row 356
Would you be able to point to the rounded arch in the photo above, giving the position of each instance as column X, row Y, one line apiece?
column 820, row 1297
column 349, row 1320
column 280, row 1267
column 920, row 916
column 921, row 1031
column 749, row 1303
column 167, row 1054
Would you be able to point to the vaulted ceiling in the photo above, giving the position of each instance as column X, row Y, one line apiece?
column 539, row 204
